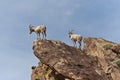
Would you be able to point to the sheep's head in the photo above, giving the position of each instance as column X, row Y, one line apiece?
column 70, row 33
column 31, row 29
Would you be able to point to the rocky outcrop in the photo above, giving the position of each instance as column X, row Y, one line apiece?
column 99, row 60
column 107, row 54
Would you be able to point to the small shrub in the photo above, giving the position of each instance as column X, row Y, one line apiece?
column 117, row 62
column 107, row 46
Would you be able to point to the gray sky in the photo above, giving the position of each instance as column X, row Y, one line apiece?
column 96, row 18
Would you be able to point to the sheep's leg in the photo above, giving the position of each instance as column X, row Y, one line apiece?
column 43, row 35
column 39, row 35
column 79, row 44
column 74, row 43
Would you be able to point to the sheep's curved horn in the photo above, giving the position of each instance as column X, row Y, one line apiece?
column 30, row 25
column 72, row 30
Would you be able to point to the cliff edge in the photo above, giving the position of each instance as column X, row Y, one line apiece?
column 99, row 60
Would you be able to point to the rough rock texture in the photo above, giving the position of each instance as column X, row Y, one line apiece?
column 107, row 54
column 99, row 60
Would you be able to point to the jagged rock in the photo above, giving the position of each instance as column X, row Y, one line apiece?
column 116, row 49
column 106, row 53
column 62, row 62
column 44, row 72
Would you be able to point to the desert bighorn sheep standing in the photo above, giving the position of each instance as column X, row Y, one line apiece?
column 38, row 29
column 74, row 38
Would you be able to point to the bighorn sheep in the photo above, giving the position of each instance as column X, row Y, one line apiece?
column 38, row 29
column 74, row 38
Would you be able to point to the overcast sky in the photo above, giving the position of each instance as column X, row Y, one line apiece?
column 95, row 18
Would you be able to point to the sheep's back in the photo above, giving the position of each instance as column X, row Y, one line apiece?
column 43, row 28
column 76, row 37
column 37, row 29
column 40, row 28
